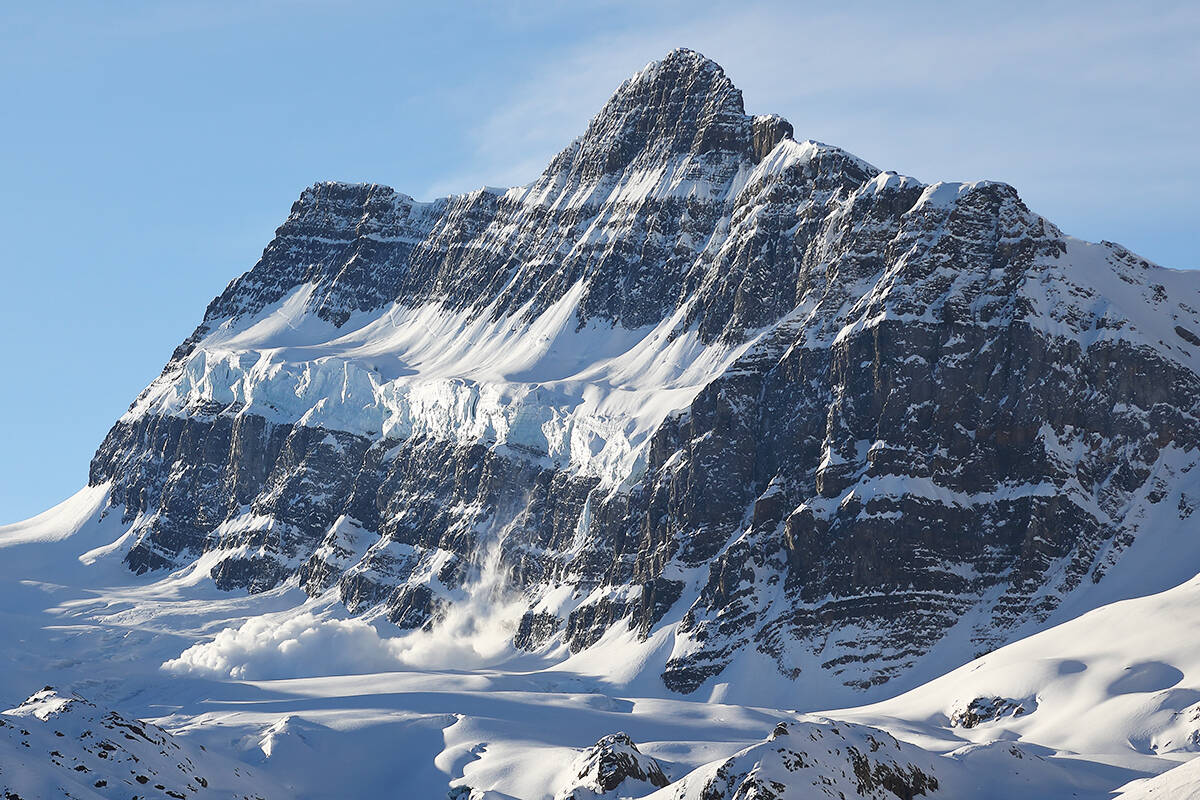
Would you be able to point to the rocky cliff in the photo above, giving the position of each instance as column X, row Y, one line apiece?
column 698, row 376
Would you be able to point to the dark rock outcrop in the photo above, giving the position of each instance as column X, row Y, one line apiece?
column 610, row 768
column 816, row 759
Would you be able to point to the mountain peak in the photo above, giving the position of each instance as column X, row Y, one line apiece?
column 684, row 103
column 685, row 65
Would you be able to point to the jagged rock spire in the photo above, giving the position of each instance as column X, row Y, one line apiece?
column 684, row 103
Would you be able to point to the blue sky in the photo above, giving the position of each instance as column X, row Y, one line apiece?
column 150, row 149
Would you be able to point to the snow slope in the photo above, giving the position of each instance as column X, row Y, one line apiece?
column 1181, row 782
column 1122, row 681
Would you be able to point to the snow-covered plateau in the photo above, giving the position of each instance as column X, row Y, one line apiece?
column 710, row 464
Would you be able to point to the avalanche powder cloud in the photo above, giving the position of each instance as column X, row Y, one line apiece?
column 302, row 646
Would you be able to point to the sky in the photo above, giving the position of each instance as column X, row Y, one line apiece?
column 149, row 150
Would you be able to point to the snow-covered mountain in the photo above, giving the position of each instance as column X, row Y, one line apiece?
column 697, row 374
column 703, row 418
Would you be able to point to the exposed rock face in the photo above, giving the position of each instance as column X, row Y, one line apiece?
column 613, row 767
column 811, row 760
column 697, row 373
column 988, row 709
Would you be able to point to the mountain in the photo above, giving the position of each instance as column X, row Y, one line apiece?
column 698, row 377
column 61, row 745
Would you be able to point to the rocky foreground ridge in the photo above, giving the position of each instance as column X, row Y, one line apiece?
column 699, row 375
column 59, row 745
